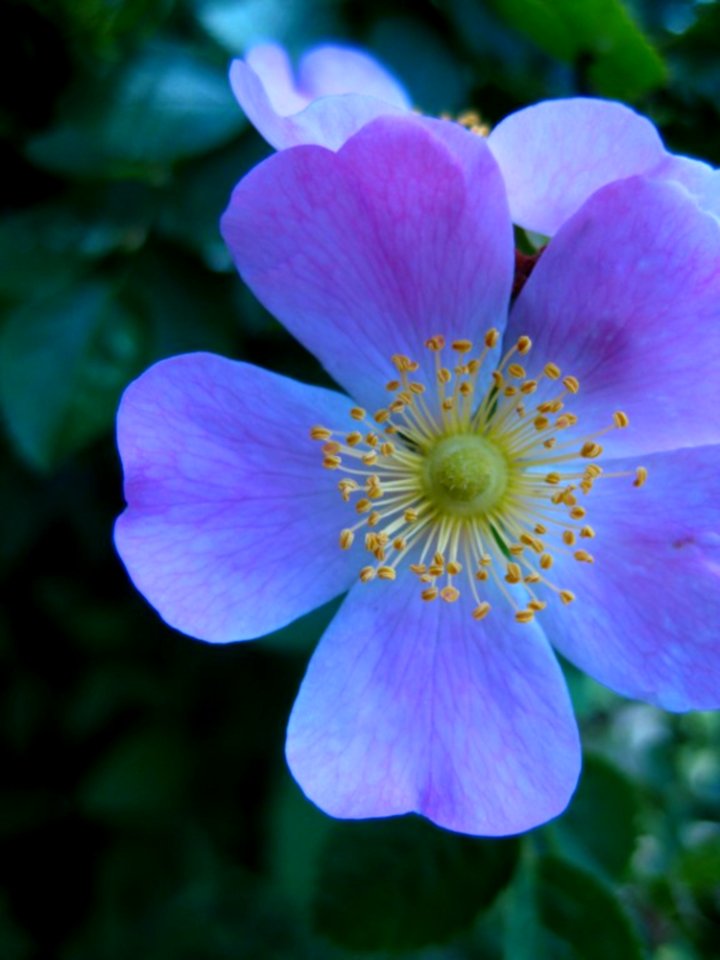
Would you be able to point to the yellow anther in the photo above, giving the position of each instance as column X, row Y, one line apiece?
column 386, row 573
column 510, row 391
column 320, row 433
column 532, row 578
column 546, row 561
column 550, row 442
column 591, row 450
column 541, row 423
column 567, row 596
column 449, row 594
column 569, row 537
column 492, row 337
column 641, row 476
column 621, row 419
column 516, row 549
column 392, row 385
column 462, row 346
column 453, row 568
column 331, row 447
column 577, row 513
column 540, row 529
column 525, row 616
column 553, row 478
column 568, row 497
column 537, row 605
column 435, row 343
column 513, row 574
column 517, row 370
column 571, row 384
column 418, row 568
column 532, row 542
column 583, row 556
column 363, row 506
column 587, row 532
column 410, row 516
column 482, row 574
column 417, row 388
column 473, row 366
column 466, row 389
column 563, row 422
column 331, row 463
column 551, row 371
column 593, row 470
column 481, row 610
column 354, row 438
column 448, row 403
column 436, row 569
column 381, row 416
column 387, row 449
column 367, row 574
column 523, row 345
column 444, row 375
column 373, row 519
column 399, row 543
column 346, row 539
column 397, row 406
column 369, row 458
column 357, row 413
column 439, row 558
column 430, row 593
column 530, row 386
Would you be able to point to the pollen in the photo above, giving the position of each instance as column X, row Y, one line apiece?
column 472, row 489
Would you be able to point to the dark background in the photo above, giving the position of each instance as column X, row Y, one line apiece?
column 145, row 810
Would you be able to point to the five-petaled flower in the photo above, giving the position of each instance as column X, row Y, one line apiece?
column 479, row 493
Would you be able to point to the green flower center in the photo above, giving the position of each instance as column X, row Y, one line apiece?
column 465, row 475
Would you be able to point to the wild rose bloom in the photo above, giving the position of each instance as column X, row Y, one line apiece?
column 553, row 155
column 480, row 492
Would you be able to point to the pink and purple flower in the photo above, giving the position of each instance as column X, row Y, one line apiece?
column 479, row 492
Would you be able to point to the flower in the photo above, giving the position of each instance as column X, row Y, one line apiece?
column 553, row 155
column 513, row 516
column 336, row 91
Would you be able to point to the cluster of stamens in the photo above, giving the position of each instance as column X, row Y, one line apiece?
column 469, row 482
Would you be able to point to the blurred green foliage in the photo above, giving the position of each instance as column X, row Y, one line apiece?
column 146, row 809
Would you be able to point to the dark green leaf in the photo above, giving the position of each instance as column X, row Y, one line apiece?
column 583, row 913
column 402, row 883
column 163, row 106
column 63, row 363
column 622, row 62
column 599, row 829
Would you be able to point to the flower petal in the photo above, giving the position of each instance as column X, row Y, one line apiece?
column 645, row 621
column 338, row 91
column 627, row 298
column 403, row 234
column 413, row 706
column 231, row 528
column 555, row 155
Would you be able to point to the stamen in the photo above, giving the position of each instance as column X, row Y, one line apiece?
column 472, row 489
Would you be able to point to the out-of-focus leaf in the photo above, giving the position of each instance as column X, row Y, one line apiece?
column 299, row 831
column 238, row 24
column 402, row 883
column 144, row 775
column 64, row 360
column 622, row 62
column 45, row 248
column 433, row 77
column 15, row 944
column 599, row 829
column 198, row 195
column 162, row 106
column 580, row 911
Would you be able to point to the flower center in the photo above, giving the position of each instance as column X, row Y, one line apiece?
column 481, row 485
column 465, row 474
